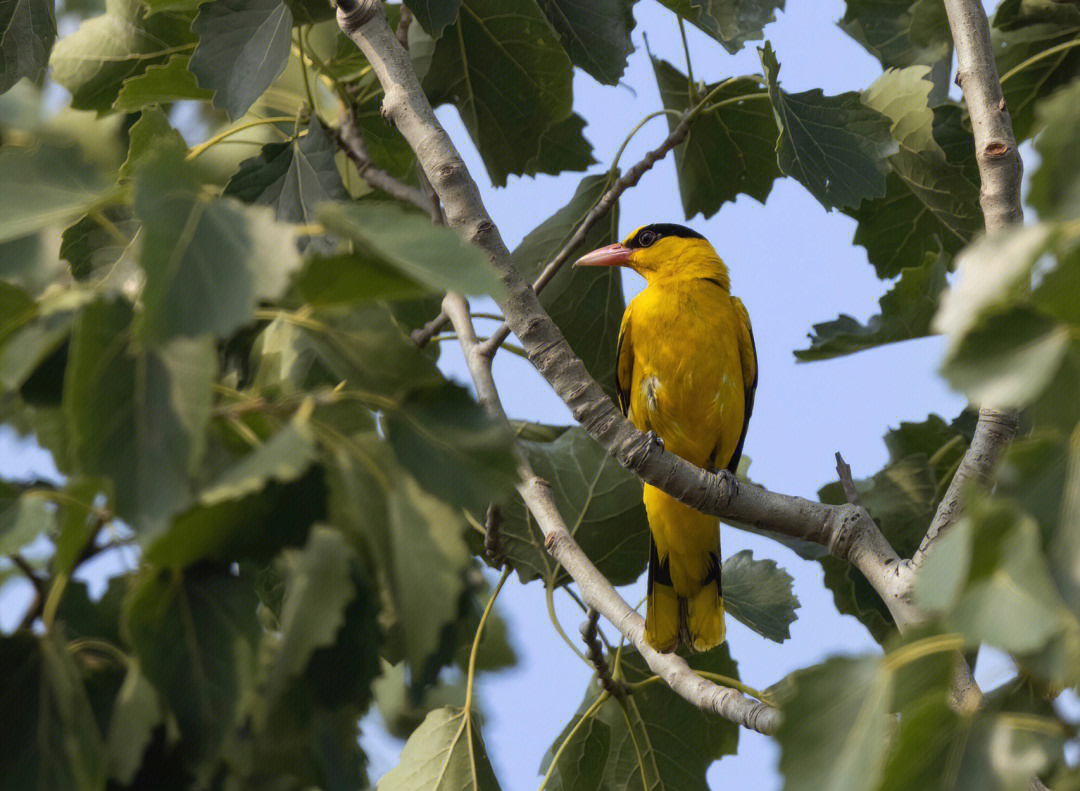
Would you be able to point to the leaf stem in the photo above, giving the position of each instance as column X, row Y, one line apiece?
column 588, row 715
column 52, row 602
column 549, row 595
column 277, row 119
column 476, row 640
column 938, row 644
column 301, row 45
column 1039, row 56
column 692, row 87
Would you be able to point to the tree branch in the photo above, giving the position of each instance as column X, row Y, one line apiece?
column 595, row 654
column 846, row 530
column 596, row 591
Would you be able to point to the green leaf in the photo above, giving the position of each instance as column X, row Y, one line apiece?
column 446, row 753
column 284, row 458
column 45, row 186
column 529, row 64
column 243, row 47
column 161, row 84
column 51, row 739
column 16, row 308
column 78, row 518
column 601, row 503
column 596, row 35
column 759, row 593
column 649, row 739
column 587, row 305
column 711, row 174
column 1023, row 33
column 1064, row 550
column 27, row 33
column 96, row 242
column 731, row 22
column 345, row 278
column 452, row 447
column 195, row 635
column 393, row 238
column 563, row 147
column 23, row 517
column 989, row 579
column 931, row 203
column 434, row 15
column 835, row 145
column 135, row 715
column 138, row 417
column 95, row 60
column 906, row 312
column 149, row 135
column 1055, row 186
column 207, row 261
column 899, row 32
column 318, row 590
column 291, row 177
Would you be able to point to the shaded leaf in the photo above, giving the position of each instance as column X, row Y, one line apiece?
column 161, row 84
column 393, row 238
column 651, row 739
column 563, row 147
column 434, row 15
column 243, row 47
column 601, row 503
column 95, row 60
column 135, row 715
column 834, row 145
column 899, row 32
column 446, row 753
column 1055, row 185
column 452, row 447
column 587, row 305
column 16, row 308
column 529, row 64
column 207, row 262
column 596, row 35
column 51, row 739
column 759, row 593
column 27, row 33
column 711, row 174
column 195, row 635
column 292, row 177
column 138, row 417
column 45, row 186
column 346, row 278
column 149, row 135
column 906, row 312
column 78, row 518
column 731, row 22
column 23, row 517
column 91, row 244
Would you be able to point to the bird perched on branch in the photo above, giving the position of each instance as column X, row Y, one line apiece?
column 687, row 372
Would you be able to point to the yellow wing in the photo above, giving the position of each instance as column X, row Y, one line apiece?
column 748, row 357
column 624, row 365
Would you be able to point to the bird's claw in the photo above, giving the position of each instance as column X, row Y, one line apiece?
column 655, row 439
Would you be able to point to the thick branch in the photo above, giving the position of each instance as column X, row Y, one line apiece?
column 595, row 589
column 846, row 530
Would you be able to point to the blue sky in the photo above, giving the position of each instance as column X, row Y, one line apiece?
column 793, row 264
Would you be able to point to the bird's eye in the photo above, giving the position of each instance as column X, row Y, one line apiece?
column 646, row 238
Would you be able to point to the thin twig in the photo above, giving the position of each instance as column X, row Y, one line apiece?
column 404, row 21
column 843, row 469
column 595, row 654
column 493, row 546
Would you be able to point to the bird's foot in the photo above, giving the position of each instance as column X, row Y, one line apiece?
column 725, row 482
column 655, row 439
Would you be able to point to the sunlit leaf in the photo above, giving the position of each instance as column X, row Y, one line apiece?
column 446, row 753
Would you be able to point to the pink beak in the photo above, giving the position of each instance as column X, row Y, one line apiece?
column 612, row 255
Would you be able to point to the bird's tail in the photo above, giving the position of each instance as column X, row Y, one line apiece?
column 664, row 616
column 705, row 611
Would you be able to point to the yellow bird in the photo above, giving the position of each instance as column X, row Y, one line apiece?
column 687, row 371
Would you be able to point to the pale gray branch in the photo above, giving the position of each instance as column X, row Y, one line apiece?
column 596, row 591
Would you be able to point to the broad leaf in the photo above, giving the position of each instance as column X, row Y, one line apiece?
column 731, row 22
column 452, row 447
column 711, row 173
column 243, row 47
column 148, row 136
column 207, row 262
column 596, row 35
column 94, row 61
column 195, row 635
column 759, row 593
column 45, row 186
column 137, row 416
column 96, row 242
column 27, row 33
column 899, row 32
column 563, row 147
column 446, row 753
column 835, row 145
column 931, row 203
column 434, row 15
column 168, row 82
column 1055, row 186
column 906, row 312
column 135, row 715
column 23, row 517
column 601, row 503
column 292, row 177
column 587, row 305
column 78, row 518
column 1024, row 32
column 16, row 308
column 51, row 739
column 390, row 237
column 649, row 739
column 529, row 64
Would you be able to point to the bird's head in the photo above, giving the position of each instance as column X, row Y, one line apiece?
column 662, row 251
